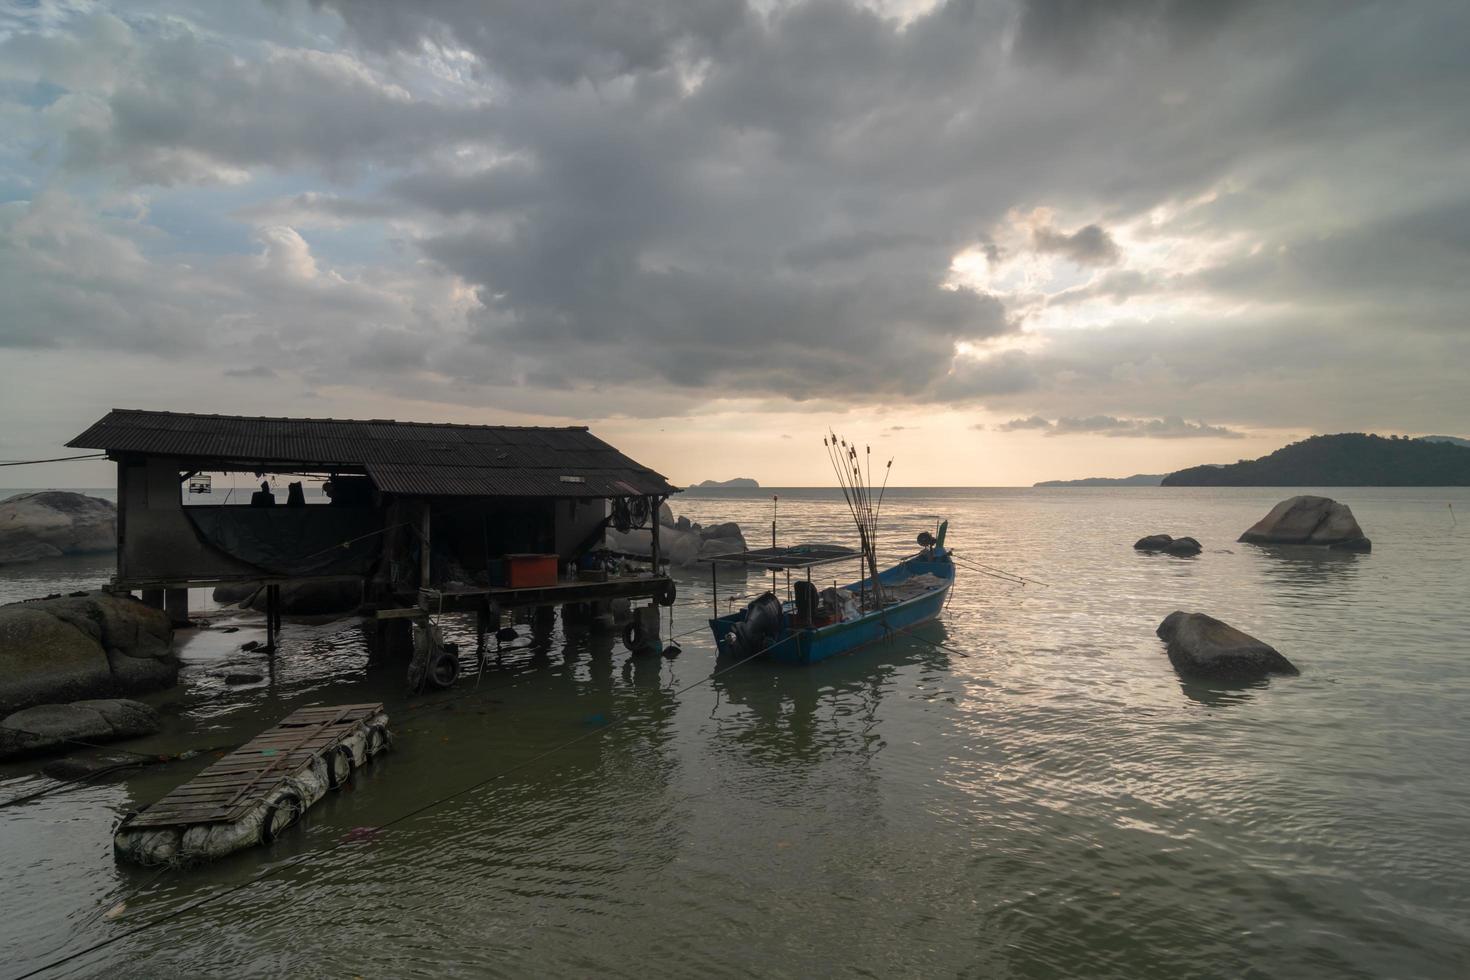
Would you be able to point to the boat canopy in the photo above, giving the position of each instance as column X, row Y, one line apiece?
column 795, row 556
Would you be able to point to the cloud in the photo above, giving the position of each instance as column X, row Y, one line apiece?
column 1090, row 245
column 1226, row 211
column 176, row 107
column 1071, row 34
column 254, row 371
column 1030, row 422
column 561, row 41
column 1169, row 427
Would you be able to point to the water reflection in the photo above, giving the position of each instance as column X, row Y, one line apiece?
column 1221, row 694
column 1308, row 567
column 805, row 713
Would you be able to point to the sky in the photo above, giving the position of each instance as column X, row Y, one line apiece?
column 999, row 241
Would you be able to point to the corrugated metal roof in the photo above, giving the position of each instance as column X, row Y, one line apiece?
column 417, row 458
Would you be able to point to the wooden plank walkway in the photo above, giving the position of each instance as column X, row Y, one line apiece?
column 228, row 789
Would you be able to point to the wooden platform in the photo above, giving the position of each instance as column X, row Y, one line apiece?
column 228, row 789
column 471, row 598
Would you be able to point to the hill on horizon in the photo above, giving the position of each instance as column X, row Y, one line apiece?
column 739, row 483
column 1136, row 480
column 1349, row 459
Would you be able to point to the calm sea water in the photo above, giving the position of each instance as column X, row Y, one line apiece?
column 1042, row 798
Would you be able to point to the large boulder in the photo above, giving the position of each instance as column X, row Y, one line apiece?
column 1182, row 547
column 53, row 523
column 720, row 546
column 678, row 547
column 1309, row 520
column 729, row 529
column 96, row 645
column 665, row 514
column 52, row 727
column 310, row 597
column 1201, row 646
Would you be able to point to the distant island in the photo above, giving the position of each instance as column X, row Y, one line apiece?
column 739, row 483
column 1137, row 480
column 1452, row 440
column 1350, row 459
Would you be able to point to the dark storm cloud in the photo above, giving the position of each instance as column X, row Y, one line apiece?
column 1067, row 32
column 693, row 200
column 564, row 41
column 180, row 107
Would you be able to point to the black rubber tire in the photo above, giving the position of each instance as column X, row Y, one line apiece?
column 443, row 669
column 383, row 741
column 633, row 636
column 268, row 830
column 345, row 752
column 667, row 593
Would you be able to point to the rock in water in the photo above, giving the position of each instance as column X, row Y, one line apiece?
column 100, row 644
column 721, row 546
column 1203, row 647
column 680, row 548
column 51, row 727
column 729, row 529
column 52, row 523
column 1154, row 542
column 665, row 514
column 1183, row 546
column 1309, row 520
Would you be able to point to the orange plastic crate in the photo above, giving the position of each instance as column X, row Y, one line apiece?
column 530, row 571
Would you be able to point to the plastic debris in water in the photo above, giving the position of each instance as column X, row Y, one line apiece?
column 116, row 911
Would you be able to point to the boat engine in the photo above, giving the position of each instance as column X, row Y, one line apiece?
column 762, row 623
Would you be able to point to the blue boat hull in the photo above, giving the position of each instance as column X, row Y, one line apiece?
column 796, row 645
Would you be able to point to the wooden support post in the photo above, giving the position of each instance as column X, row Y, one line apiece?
column 271, row 604
column 425, row 558
column 122, row 519
column 176, row 604
column 658, row 502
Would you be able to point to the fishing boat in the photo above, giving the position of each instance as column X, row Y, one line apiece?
column 813, row 624
column 816, row 624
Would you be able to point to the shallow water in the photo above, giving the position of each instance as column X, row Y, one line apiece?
column 1041, row 796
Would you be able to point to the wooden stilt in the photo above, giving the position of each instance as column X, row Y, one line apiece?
column 272, row 615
